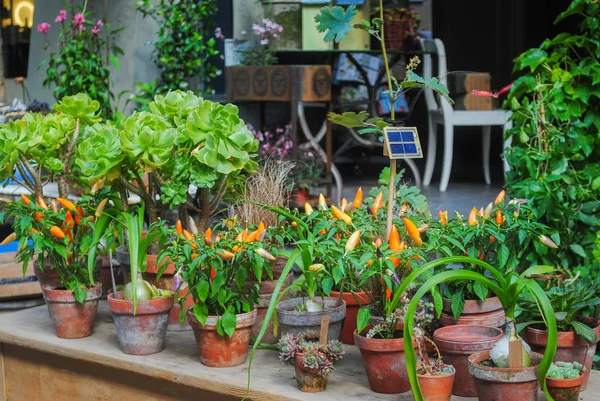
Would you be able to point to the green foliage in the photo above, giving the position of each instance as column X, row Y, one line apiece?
column 185, row 44
column 147, row 140
column 555, row 151
column 336, row 20
column 83, row 60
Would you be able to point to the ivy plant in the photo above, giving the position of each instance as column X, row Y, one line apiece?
column 555, row 151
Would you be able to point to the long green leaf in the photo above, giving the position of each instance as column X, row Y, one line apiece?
column 540, row 269
column 451, row 275
column 133, row 236
column 99, row 231
column 272, row 305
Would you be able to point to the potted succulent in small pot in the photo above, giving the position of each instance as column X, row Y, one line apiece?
column 577, row 335
column 225, row 301
column 564, row 380
column 312, row 359
column 140, row 311
column 60, row 236
column 435, row 377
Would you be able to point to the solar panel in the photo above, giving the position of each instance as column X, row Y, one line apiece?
column 402, row 143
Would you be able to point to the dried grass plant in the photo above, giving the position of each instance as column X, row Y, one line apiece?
column 271, row 186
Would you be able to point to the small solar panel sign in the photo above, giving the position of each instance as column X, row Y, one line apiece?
column 402, row 143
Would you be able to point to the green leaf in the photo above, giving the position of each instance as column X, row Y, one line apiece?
column 503, row 254
column 363, row 319
column 336, row 20
column 115, row 61
column 80, row 294
column 578, row 249
column 201, row 313
column 480, row 290
column 585, row 332
column 560, row 316
column 458, row 304
column 228, row 322
column 438, row 301
column 327, row 285
column 532, row 58
column 202, row 290
column 351, row 119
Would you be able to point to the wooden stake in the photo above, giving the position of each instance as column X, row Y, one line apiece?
column 112, row 274
column 324, row 329
column 391, row 197
column 515, row 354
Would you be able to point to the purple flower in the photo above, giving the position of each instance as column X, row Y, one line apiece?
column 79, row 19
column 95, row 30
column 99, row 23
column 176, row 282
column 264, row 42
column 62, row 15
column 43, row 27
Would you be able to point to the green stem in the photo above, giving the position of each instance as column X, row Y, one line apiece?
column 385, row 60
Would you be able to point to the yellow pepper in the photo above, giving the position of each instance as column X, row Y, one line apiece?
column 353, row 241
column 358, row 198
column 341, row 215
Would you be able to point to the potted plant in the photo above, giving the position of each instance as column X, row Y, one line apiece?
column 402, row 26
column 312, row 359
column 564, row 380
column 140, row 311
column 577, row 335
column 435, row 377
column 60, row 236
column 224, row 308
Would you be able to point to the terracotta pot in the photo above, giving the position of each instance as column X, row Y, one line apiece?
column 268, row 286
column 352, row 308
column 46, row 277
column 504, row 384
column 309, row 380
column 564, row 389
column 457, row 343
column 72, row 319
column 143, row 333
column 487, row 313
column 263, row 305
column 380, row 319
column 291, row 320
column 436, row 387
column 280, row 263
column 221, row 352
column 385, row 363
column 167, row 282
column 570, row 347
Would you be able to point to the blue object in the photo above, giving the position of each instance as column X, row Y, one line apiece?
column 402, row 143
column 12, row 247
column 410, row 149
column 349, row 2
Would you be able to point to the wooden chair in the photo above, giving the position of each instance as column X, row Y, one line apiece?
column 442, row 112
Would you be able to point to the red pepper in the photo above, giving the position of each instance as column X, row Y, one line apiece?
column 69, row 222
column 79, row 215
column 213, row 273
column 388, row 293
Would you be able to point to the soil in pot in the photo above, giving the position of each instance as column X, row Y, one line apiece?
column 143, row 333
column 564, row 389
column 309, row 380
column 291, row 320
column 352, row 308
column 437, row 387
column 457, row 343
column 504, row 384
column 385, row 363
column 221, row 352
column 487, row 313
column 570, row 347
column 72, row 319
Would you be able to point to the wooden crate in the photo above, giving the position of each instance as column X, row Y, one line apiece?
column 461, row 86
column 308, row 83
column 13, row 284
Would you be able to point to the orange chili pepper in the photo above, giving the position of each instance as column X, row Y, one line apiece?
column 69, row 233
column 39, row 216
column 378, row 242
column 208, row 237
column 25, row 200
column 338, row 237
column 499, row 217
column 260, row 229
column 395, row 245
column 54, row 206
column 79, row 215
column 443, row 217
column 194, row 256
column 492, row 239
column 500, row 197
column 10, row 238
column 323, row 231
column 226, row 254
column 358, row 198
column 370, row 262
column 187, row 235
column 213, row 273
column 388, row 293
column 353, row 240
column 344, row 204
column 472, row 220
column 253, row 236
column 57, row 232
column 245, row 235
column 341, row 215
column 67, row 204
column 42, row 203
column 69, row 222
column 34, row 231
column 179, row 227
column 404, row 208
column 377, row 203
column 413, row 231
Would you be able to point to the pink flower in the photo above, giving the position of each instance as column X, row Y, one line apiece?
column 62, row 15
column 99, row 23
column 43, row 27
column 264, row 42
column 78, row 20
column 95, row 30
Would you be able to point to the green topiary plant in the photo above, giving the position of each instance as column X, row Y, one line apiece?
column 555, row 151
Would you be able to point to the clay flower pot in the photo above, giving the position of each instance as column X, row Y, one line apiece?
column 487, row 313
column 291, row 320
column 570, row 347
column 263, row 305
column 437, row 387
column 143, row 333
column 46, row 277
column 506, row 384
column 457, row 343
column 352, row 308
column 309, row 380
column 268, row 286
column 385, row 363
column 564, row 389
column 221, row 352
column 72, row 319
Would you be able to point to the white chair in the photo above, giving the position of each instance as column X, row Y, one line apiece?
column 441, row 112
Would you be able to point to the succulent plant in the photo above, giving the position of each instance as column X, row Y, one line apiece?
column 175, row 106
column 565, row 370
column 314, row 355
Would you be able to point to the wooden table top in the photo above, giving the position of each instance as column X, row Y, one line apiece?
column 179, row 362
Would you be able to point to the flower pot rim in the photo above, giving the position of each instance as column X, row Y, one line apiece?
column 441, row 376
column 566, row 339
column 565, row 383
column 57, row 294
column 246, row 321
column 438, row 335
column 144, row 307
column 504, row 375
column 326, row 309
column 380, row 344
column 475, row 306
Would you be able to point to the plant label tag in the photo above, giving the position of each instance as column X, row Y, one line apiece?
column 402, row 143
column 515, row 354
column 324, row 329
